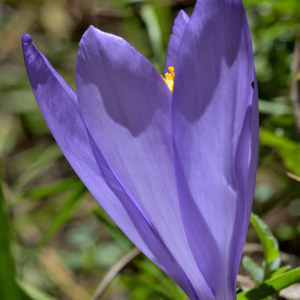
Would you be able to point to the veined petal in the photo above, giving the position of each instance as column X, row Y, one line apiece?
column 215, row 137
column 126, row 106
column 175, row 39
column 57, row 102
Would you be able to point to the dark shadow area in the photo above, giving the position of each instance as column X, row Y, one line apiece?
column 261, row 292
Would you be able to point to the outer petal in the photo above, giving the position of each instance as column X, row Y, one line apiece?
column 179, row 26
column 126, row 107
column 56, row 101
column 215, row 137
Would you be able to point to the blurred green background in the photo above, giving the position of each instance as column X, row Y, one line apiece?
column 61, row 241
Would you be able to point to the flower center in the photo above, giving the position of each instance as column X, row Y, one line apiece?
column 169, row 78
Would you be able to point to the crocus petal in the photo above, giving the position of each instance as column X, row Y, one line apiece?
column 214, row 125
column 58, row 102
column 126, row 106
column 175, row 39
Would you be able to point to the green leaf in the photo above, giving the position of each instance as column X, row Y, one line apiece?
column 270, row 245
column 277, row 30
column 281, row 271
column 8, row 287
column 269, row 107
column 33, row 292
column 271, row 286
column 256, row 272
column 288, row 149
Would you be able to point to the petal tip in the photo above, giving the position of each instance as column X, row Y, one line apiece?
column 91, row 29
column 184, row 15
column 26, row 39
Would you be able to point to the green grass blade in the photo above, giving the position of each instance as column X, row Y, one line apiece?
column 281, row 271
column 149, row 16
column 273, row 108
column 33, row 292
column 269, row 243
column 62, row 217
column 8, row 287
column 271, row 286
column 51, row 188
column 112, row 229
column 42, row 162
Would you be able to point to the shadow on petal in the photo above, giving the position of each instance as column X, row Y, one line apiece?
column 160, row 255
column 204, row 248
column 112, row 75
column 203, row 48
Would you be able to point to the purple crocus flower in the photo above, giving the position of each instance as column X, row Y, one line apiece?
column 175, row 170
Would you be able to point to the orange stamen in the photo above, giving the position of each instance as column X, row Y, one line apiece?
column 169, row 78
